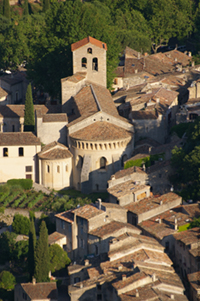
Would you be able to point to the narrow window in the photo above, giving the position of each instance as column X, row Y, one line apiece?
column 5, row 152
column 48, row 168
column 124, row 158
column 84, row 62
column 89, row 50
column 13, row 128
column 95, row 64
column 80, row 162
column 17, row 96
column 21, row 151
column 58, row 168
column 66, row 168
column 102, row 163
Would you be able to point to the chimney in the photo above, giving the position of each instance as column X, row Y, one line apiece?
column 193, row 63
column 138, row 55
column 119, row 267
column 143, row 167
column 175, row 224
column 136, row 71
column 33, row 281
column 175, row 59
column 172, row 297
column 81, row 285
column 189, row 53
column 157, row 99
column 161, row 202
column 87, row 262
column 99, row 200
column 137, row 293
column 154, row 277
column 159, row 220
column 123, row 277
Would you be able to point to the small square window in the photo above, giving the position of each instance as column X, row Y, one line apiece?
column 29, row 177
column 21, row 151
column 29, row 168
column 5, row 152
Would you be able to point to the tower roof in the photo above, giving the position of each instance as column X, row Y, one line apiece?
column 87, row 40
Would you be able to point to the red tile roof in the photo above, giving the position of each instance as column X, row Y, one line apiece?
column 55, row 150
column 61, row 117
column 87, row 40
column 17, row 138
column 41, row 291
column 54, row 237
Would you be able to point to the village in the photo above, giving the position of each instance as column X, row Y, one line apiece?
column 131, row 245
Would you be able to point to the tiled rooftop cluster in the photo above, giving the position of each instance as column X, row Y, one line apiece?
column 54, row 150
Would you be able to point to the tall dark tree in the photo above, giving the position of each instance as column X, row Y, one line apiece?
column 26, row 11
column 42, row 263
column 29, row 120
column 6, row 8
column 31, row 249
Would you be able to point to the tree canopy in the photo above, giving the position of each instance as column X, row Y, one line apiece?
column 58, row 258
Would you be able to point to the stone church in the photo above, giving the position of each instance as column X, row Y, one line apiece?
column 88, row 141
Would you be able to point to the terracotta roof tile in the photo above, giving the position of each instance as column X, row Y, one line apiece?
column 126, row 188
column 55, row 150
column 143, row 115
column 62, row 117
column 125, row 172
column 3, row 93
column 17, row 138
column 151, row 203
column 41, row 290
column 54, row 237
column 87, row 40
column 87, row 211
column 101, row 131
column 189, row 236
column 16, row 111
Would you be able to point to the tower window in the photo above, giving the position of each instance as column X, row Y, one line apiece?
column 58, row 168
column 95, row 64
column 84, row 62
column 89, row 50
column 48, row 168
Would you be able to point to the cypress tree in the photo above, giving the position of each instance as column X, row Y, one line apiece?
column 46, row 5
column 6, row 8
column 29, row 120
column 31, row 249
column 26, row 12
column 42, row 263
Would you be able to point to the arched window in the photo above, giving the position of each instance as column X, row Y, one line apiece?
column 21, row 151
column 95, row 64
column 84, row 62
column 89, row 50
column 80, row 162
column 5, row 152
column 102, row 163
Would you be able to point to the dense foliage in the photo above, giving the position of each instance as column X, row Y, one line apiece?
column 186, row 163
column 29, row 120
column 21, row 224
column 31, row 249
column 41, row 36
column 58, row 258
column 7, row 280
column 24, row 183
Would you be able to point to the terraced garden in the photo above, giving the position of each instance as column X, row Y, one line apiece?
column 16, row 197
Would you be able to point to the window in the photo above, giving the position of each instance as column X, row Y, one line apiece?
column 13, row 128
column 96, row 250
column 66, row 168
column 5, row 152
column 124, row 158
column 99, row 297
column 89, row 50
column 29, row 177
column 29, row 168
column 58, row 168
column 21, row 151
column 102, row 163
column 48, row 168
column 77, row 279
column 84, row 62
column 95, row 64
column 80, row 162
column 17, row 96
column 62, row 224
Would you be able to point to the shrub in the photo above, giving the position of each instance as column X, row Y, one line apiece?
column 7, row 280
column 2, row 209
column 21, row 224
column 24, row 183
column 58, row 258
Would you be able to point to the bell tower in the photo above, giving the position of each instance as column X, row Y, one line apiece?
column 89, row 57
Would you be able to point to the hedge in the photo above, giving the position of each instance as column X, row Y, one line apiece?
column 24, row 183
column 146, row 160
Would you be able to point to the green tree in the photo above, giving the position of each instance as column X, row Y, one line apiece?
column 46, row 5
column 42, row 255
column 20, row 253
column 21, row 224
column 31, row 249
column 7, row 280
column 29, row 120
column 7, row 246
column 58, row 258
column 195, row 223
column 6, row 8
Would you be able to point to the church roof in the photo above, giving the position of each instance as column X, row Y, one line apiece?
column 90, row 100
column 54, row 150
column 87, row 40
column 18, row 138
column 101, row 131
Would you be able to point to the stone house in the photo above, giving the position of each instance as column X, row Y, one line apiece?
column 187, row 246
column 15, row 85
column 18, row 156
column 57, row 238
column 46, row 291
column 137, row 269
column 194, row 286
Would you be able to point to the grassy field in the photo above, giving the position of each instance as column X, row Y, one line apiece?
column 15, row 197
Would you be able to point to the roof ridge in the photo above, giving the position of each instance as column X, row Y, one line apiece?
column 95, row 98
